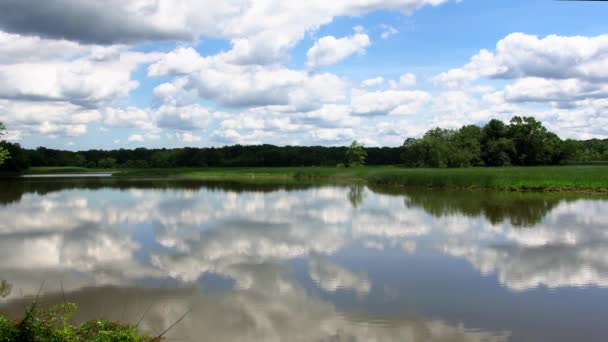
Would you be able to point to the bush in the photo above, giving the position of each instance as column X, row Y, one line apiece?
column 52, row 325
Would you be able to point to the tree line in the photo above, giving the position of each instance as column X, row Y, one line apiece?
column 522, row 142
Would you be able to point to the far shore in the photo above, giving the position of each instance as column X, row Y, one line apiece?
column 591, row 179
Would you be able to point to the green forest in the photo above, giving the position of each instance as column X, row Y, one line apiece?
column 522, row 142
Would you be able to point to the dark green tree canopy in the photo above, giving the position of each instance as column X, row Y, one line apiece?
column 524, row 141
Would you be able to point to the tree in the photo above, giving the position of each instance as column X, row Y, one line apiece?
column 497, row 149
column 107, row 163
column 3, row 152
column 355, row 154
column 18, row 160
column 467, row 146
column 534, row 144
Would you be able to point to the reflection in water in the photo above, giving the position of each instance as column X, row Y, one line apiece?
column 303, row 263
column 521, row 209
column 355, row 195
column 5, row 289
column 274, row 314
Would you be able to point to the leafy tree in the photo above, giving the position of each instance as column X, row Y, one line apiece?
column 498, row 152
column 356, row 154
column 3, row 152
column 497, row 148
column 534, row 144
column 107, row 163
column 18, row 160
column 467, row 147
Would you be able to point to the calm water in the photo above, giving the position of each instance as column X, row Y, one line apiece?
column 298, row 263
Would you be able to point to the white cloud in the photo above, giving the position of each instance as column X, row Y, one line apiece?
column 88, row 67
column 181, row 61
column 248, row 85
column 260, row 31
column 407, row 80
column 387, row 31
column 328, row 50
column 47, row 118
column 15, row 48
column 136, row 138
column 187, row 137
column 334, row 135
column 130, row 117
column 558, row 79
column 521, row 55
column 80, row 81
column 372, row 82
column 186, row 118
column 393, row 102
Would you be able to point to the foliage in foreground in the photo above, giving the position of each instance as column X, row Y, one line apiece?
column 53, row 325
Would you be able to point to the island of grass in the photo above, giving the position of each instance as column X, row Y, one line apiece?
column 542, row 178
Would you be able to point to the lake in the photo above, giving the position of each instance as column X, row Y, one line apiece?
column 309, row 263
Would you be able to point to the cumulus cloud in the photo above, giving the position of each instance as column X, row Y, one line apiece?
column 186, row 118
column 94, row 22
column 93, row 68
column 15, row 48
column 187, row 137
column 47, row 118
column 253, row 39
column 329, row 50
column 407, row 80
column 393, row 102
column 57, row 87
column 215, row 78
column 373, row 82
column 521, row 55
column 565, row 74
column 136, row 138
column 81, row 81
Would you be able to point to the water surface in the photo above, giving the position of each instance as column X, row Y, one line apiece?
column 305, row 263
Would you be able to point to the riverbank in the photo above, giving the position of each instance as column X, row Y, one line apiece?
column 545, row 178
column 53, row 324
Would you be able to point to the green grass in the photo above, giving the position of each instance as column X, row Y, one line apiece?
column 545, row 178
column 558, row 178
column 62, row 169
column 53, row 325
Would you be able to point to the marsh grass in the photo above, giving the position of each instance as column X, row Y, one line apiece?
column 544, row 178
column 590, row 178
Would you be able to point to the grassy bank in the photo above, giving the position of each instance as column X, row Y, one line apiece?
column 53, row 324
column 546, row 178
column 62, row 169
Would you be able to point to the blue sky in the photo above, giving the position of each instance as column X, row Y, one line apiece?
column 159, row 73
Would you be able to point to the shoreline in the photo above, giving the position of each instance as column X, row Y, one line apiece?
column 550, row 179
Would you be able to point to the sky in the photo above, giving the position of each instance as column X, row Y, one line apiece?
column 84, row 74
